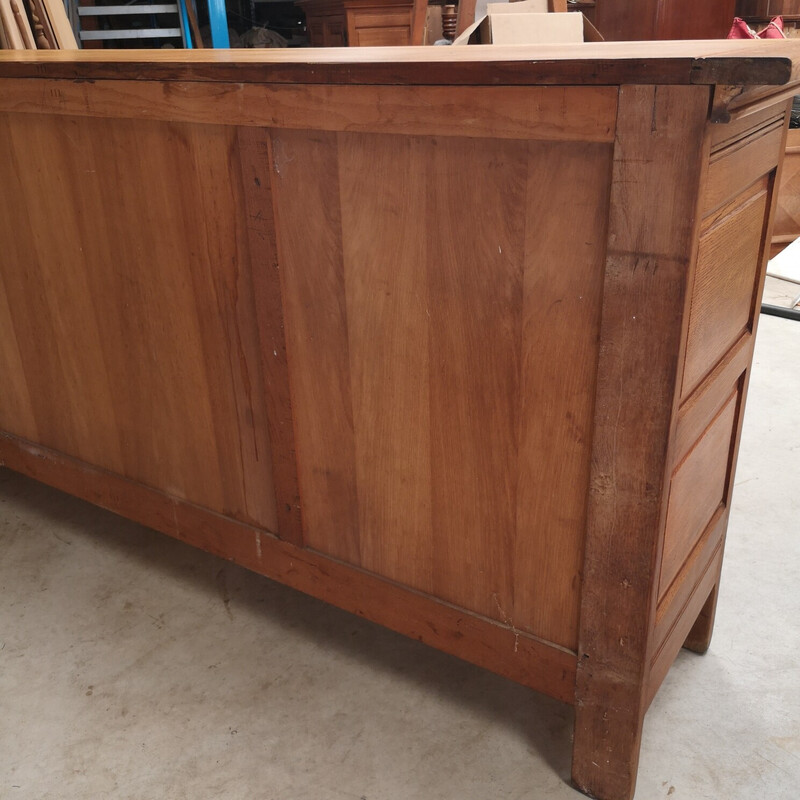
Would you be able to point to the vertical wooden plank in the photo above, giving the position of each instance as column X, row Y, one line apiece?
column 567, row 185
column 16, row 405
column 305, row 186
column 57, row 325
column 138, row 336
column 476, row 257
column 143, row 279
column 255, row 163
column 657, row 156
column 223, row 283
column 385, row 266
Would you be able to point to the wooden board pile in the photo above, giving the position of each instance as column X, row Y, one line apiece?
column 35, row 25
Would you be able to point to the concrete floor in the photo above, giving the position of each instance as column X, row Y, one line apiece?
column 132, row 666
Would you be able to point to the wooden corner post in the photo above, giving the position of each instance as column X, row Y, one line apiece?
column 658, row 154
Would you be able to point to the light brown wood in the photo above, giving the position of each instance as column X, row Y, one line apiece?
column 701, row 580
column 364, row 23
column 305, row 181
column 697, row 490
column 181, row 410
column 388, row 313
column 23, row 25
column 59, row 23
column 407, row 431
column 474, row 374
column 11, row 31
column 556, row 409
column 415, row 347
column 548, row 113
column 739, row 165
column 255, row 158
column 725, row 283
column 684, row 615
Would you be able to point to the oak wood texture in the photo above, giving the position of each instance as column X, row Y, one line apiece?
column 341, row 334
column 697, row 490
column 542, row 112
column 724, row 281
column 158, row 369
column 406, row 429
column 698, row 578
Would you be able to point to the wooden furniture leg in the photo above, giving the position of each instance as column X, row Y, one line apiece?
column 659, row 135
column 699, row 637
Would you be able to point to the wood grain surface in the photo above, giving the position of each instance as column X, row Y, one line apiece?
column 651, row 240
column 433, row 353
column 725, row 282
column 546, row 112
column 425, row 393
column 142, row 327
column 750, row 63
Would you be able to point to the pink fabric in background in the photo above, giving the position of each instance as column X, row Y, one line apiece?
column 741, row 30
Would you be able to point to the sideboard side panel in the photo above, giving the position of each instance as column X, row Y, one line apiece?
column 736, row 216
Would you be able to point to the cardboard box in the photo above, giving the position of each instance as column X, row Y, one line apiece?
column 528, row 22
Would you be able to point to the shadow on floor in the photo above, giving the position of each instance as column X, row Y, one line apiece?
column 545, row 724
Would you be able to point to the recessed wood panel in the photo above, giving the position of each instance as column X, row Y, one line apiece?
column 696, row 492
column 128, row 286
column 725, row 282
column 442, row 344
column 385, row 36
column 561, row 319
column 741, row 164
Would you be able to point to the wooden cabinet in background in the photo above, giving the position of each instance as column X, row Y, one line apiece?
column 621, row 20
column 766, row 8
column 363, row 23
column 787, row 214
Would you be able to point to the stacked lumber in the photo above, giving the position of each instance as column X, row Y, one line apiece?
column 35, row 25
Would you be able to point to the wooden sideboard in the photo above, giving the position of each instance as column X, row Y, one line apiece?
column 364, row 23
column 320, row 313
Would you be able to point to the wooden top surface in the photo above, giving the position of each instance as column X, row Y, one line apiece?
column 751, row 63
